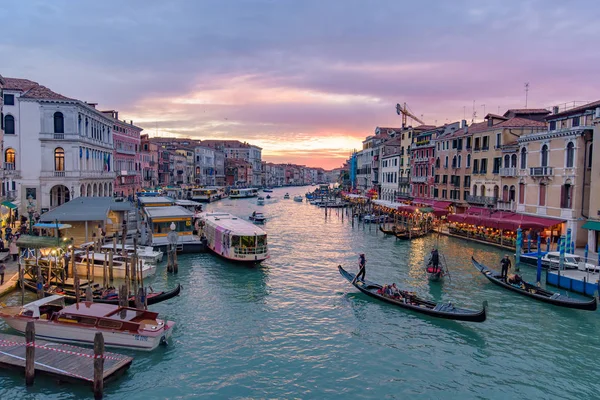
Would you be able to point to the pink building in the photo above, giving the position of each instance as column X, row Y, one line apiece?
column 148, row 162
column 126, row 155
column 422, row 161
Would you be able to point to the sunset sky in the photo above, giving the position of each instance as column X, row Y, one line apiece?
column 305, row 80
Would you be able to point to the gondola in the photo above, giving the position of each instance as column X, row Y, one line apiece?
column 535, row 292
column 434, row 276
column 153, row 297
column 412, row 302
column 409, row 235
column 387, row 231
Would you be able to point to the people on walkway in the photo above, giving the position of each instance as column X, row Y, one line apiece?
column 362, row 262
column 505, row 264
column 13, row 250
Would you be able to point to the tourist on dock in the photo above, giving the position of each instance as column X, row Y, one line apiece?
column 505, row 264
column 362, row 262
column 2, row 270
column 13, row 250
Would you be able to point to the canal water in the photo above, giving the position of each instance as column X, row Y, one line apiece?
column 294, row 328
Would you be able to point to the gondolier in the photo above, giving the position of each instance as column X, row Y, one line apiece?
column 505, row 264
column 435, row 260
column 361, row 270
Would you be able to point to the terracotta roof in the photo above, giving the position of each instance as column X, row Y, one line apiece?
column 495, row 116
column 32, row 90
column 479, row 127
column 575, row 110
column 518, row 122
column 425, row 127
column 527, row 111
column 384, row 129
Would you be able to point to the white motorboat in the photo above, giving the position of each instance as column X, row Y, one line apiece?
column 97, row 261
column 260, row 201
column 286, row 196
column 298, row 199
column 374, row 219
column 146, row 253
column 122, row 327
column 257, row 217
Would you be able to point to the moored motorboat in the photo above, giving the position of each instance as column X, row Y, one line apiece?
column 299, row 199
column 146, row 253
column 101, row 296
column 99, row 261
column 534, row 292
column 412, row 302
column 122, row 327
column 267, row 190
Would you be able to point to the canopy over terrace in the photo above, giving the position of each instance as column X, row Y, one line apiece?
column 505, row 220
column 439, row 207
column 401, row 206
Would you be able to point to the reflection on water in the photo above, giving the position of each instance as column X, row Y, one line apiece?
column 293, row 327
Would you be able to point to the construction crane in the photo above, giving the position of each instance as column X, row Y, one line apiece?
column 405, row 113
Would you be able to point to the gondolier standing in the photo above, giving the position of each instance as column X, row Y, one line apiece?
column 505, row 264
column 361, row 270
column 435, row 260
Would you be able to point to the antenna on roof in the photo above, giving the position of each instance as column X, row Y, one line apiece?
column 526, row 92
column 474, row 113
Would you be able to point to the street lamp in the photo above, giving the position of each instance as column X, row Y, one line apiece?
column 30, row 211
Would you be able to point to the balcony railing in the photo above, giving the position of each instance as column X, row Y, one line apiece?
column 541, row 171
column 9, row 166
column 403, row 180
column 482, row 200
column 421, row 159
column 419, row 179
column 77, row 174
column 125, row 151
column 508, row 172
column 506, row 205
column 485, row 148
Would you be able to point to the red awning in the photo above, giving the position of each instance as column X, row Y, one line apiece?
column 438, row 212
column 442, row 204
column 456, row 218
column 534, row 222
column 479, row 210
column 409, row 209
column 420, row 200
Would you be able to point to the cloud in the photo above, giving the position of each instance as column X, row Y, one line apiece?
column 303, row 76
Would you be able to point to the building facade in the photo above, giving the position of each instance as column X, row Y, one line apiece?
column 422, row 158
column 554, row 177
column 235, row 149
column 56, row 149
column 390, row 169
column 593, row 227
column 149, row 162
column 205, row 167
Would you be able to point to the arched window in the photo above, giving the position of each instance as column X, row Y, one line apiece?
column 496, row 191
column 446, row 163
column 511, row 193
column 59, row 123
column 454, row 162
column 506, row 161
column 570, row 154
column 437, row 162
column 59, row 159
column 9, row 125
column 542, row 195
column 523, row 158
column 566, row 192
column 505, row 193
column 482, row 190
column 474, row 190
column 521, row 193
column 544, row 156
column 459, row 161
column 9, row 158
column 513, row 161
column 468, row 161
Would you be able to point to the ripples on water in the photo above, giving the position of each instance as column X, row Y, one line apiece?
column 293, row 327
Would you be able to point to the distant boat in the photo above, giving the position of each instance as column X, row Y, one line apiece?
column 298, row 199
column 257, row 217
column 260, row 201
column 267, row 190
column 286, row 196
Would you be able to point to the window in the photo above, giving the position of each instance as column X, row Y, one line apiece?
column 465, row 195
column 437, row 162
column 9, row 99
column 475, row 166
column 446, row 162
column 505, row 193
column 544, row 156
column 542, row 193
column 483, row 168
column 482, row 191
column 521, row 193
column 570, row 154
column 498, row 140
column 523, row 158
column 468, row 143
column 475, row 189
column 467, row 181
column 566, row 192
column 496, row 191
column 459, row 161
column 552, row 125
column 59, row 159
column 497, row 165
column 437, row 179
column 59, row 123
column 511, row 193
column 575, row 121
column 486, row 144
column 444, row 194
column 590, row 153
column 9, row 156
column 454, row 143
column 477, row 144
column 506, row 161
column 513, row 161
column 468, row 161
column 9, row 125
column 445, row 179
column 436, row 193
column 454, row 162
column 459, row 144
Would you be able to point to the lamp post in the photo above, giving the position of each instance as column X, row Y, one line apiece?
column 30, row 211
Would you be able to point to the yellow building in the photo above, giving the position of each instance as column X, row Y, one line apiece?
column 593, row 224
column 494, row 160
column 554, row 171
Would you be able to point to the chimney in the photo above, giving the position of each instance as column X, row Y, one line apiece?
column 463, row 123
column 116, row 115
column 93, row 105
column 490, row 122
column 597, row 112
column 555, row 110
column 131, row 122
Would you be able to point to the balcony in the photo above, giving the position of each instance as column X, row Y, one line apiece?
column 540, row 171
column 419, row 179
column 403, row 180
column 125, row 151
column 487, row 200
column 485, row 148
column 506, row 205
column 11, row 195
column 476, row 148
column 508, row 172
column 421, row 159
column 77, row 174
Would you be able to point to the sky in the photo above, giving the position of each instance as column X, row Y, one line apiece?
column 305, row 80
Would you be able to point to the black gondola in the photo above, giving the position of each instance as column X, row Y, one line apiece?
column 391, row 231
column 412, row 234
column 153, row 297
column 412, row 302
column 535, row 292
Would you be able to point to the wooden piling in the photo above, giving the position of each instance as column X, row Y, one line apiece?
column 105, row 270
column 123, row 297
column 110, row 259
column 87, row 262
column 98, row 365
column 77, row 290
column 22, row 281
column 40, row 282
column 89, row 296
column 30, row 353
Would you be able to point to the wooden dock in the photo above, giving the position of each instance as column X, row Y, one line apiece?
column 62, row 361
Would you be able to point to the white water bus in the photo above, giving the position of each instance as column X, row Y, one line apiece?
column 234, row 238
column 208, row 194
column 243, row 193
